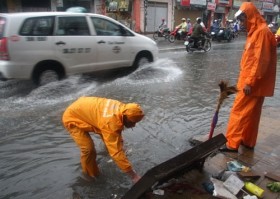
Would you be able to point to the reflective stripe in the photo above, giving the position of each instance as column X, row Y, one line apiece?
column 110, row 108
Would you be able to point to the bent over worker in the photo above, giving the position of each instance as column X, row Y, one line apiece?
column 107, row 118
column 256, row 79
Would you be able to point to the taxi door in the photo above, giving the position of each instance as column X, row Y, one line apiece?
column 74, row 44
column 113, row 47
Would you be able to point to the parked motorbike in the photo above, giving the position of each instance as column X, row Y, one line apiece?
column 192, row 46
column 175, row 35
column 225, row 34
column 161, row 33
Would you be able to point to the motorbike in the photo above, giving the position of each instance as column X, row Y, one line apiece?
column 175, row 35
column 192, row 46
column 225, row 34
column 214, row 32
column 161, row 33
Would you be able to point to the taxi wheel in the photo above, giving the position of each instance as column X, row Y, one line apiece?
column 46, row 74
column 142, row 59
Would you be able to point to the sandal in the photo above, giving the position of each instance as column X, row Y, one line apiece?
column 224, row 148
column 247, row 147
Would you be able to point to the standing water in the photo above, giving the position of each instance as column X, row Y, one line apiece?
column 178, row 93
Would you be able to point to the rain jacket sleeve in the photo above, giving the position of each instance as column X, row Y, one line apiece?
column 112, row 137
column 114, row 144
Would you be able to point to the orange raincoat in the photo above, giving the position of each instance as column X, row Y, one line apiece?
column 257, row 70
column 104, row 117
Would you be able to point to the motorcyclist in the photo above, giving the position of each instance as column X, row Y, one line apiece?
column 182, row 27
column 215, row 26
column 163, row 26
column 198, row 32
column 189, row 25
column 215, row 29
column 236, row 26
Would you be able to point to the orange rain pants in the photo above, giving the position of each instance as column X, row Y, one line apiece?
column 88, row 152
column 244, row 121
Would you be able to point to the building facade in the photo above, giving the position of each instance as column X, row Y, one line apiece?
column 144, row 16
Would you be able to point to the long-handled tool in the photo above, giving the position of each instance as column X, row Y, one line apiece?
column 225, row 91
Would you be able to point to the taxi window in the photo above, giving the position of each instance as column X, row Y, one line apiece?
column 72, row 26
column 2, row 26
column 105, row 27
column 37, row 26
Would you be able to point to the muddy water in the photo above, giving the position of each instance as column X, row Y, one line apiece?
column 178, row 94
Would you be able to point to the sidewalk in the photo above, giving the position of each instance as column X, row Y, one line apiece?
column 265, row 158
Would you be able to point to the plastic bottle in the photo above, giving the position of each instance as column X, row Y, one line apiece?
column 254, row 189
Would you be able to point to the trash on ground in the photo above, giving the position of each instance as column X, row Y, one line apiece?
column 220, row 191
column 250, row 197
column 158, row 192
column 254, row 189
column 233, row 184
column 225, row 175
column 273, row 186
column 209, row 187
column 237, row 166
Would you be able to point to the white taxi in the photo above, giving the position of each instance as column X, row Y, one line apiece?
column 39, row 45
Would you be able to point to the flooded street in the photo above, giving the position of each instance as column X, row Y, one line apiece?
column 178, row 93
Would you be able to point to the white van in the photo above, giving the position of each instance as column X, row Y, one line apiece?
column 39, row 45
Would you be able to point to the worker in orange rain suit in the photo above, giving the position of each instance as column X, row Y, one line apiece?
column 107, row 118
column 256, row 79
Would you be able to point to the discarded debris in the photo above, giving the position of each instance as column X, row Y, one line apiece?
column 158, row 192
column 233, row 184
column 236, row 166
column 274, row 186
column 254, row 189
column 220, row 191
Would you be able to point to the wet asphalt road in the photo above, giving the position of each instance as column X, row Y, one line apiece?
column 178, row 93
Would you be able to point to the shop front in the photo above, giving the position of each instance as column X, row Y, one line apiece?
column 211, row 7
column 269, row 14
column 189, row 9
column 120, row 10
column 223, row 10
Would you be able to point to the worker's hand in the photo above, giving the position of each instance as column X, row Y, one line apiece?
column 247, row 89
column 134, row 176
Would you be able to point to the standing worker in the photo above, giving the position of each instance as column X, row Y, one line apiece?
column 256, row 79
column 107, row 118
